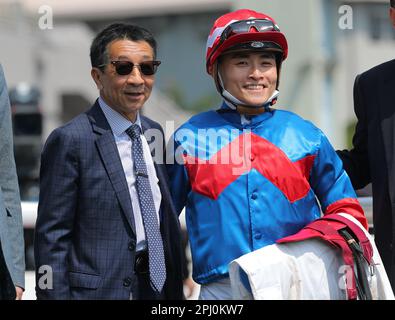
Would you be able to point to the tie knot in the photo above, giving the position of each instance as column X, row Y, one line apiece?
column 133, row 131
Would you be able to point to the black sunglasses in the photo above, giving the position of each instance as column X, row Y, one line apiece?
column 124, row 68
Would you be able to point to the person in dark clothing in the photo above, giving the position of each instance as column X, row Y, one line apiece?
column 372, row 158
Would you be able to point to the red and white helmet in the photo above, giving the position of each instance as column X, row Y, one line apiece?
column 244, row 30
column 247, row 27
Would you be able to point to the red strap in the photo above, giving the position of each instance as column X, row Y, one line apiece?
column 350, row 275
column 326, row 231
column 330, row 234
column 360, row 235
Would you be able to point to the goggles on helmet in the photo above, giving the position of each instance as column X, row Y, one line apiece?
column 243, row 26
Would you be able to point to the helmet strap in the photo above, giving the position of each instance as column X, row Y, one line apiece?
column 233, row 101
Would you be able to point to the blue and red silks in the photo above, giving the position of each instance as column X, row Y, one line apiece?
column 246, row 184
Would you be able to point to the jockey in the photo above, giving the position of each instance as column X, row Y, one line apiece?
column 249, row 174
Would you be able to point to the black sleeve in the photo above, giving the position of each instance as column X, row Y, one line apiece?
column 356, row 160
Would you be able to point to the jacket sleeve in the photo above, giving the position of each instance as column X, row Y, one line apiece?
column 179, row 180
column 9, row 188
column 356, row 160
column 332, row 185
column 56, row 212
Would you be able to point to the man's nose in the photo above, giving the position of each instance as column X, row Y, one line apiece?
column 135, row 77
column 256, row 72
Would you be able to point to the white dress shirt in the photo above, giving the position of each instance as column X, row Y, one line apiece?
column 119, row 124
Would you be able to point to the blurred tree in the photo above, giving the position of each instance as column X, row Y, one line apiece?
column 207, row 102
column 204, row 103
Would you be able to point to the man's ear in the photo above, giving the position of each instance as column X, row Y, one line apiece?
column 96, row 75
column 392, row 16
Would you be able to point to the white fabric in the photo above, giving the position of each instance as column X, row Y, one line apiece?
column 309, row 269
column 118, row 125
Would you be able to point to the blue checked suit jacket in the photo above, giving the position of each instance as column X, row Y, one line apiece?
column 85, row 228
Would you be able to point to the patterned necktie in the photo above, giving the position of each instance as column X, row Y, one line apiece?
column 153, row 236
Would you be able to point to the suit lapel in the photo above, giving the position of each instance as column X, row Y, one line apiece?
column 386, row 101
column 108, row 151
column 168, row 226
column 145, row 126
column 159, row 167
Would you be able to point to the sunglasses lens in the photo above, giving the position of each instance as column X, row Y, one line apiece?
column 123, row 67
column 148, row 68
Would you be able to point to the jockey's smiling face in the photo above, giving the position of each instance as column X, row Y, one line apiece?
column 249, row 76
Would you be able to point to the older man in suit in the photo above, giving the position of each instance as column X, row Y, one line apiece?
column 372, row 158
column 12, row 253
column 106, row 227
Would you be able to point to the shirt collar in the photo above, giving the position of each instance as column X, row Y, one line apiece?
column 234, row 117
column 117, row 121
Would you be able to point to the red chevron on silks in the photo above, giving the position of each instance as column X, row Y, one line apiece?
column 252, row 184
